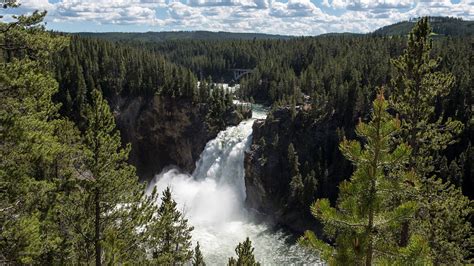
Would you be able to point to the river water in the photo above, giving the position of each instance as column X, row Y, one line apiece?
column 212, row 198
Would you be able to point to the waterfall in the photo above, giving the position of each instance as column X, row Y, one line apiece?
column 212, row 198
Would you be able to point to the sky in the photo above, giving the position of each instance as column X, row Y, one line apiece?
column 287, row 17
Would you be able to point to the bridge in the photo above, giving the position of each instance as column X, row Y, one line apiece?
column 240, row 72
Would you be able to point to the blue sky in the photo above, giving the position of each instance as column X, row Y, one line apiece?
column 289, row 17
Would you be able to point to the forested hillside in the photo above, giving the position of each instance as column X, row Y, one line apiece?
column 68, row 193
column 397, row 205
column 336, row 74
column 444, row 26
column 180, row 35
column 89, row 64
column 69, row 196
column 138, row 83
column 365, row 153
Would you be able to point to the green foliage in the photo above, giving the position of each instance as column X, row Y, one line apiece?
column 183, row 36
column 417, row 252
column 416, row 91
column 115, row 70
column 293, row 160
column 365, row 216
column 310, row 186
column 64, row 199
column 336, row 72
column 37, row 149
column 297, row 190
column 219, row 105
column 121, row 70
column 25, row 38
column 443, row 217
column 245, row 257
column 111, row 197
column 170, row 235
column 113, row 221
column 441, row 25
column 198, row 259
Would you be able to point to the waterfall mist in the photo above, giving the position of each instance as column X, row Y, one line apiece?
column 212, row 198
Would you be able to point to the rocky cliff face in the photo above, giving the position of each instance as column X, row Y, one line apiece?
column 267, row 173
column 165, row 131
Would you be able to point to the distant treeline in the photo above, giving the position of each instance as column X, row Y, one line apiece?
column 125, row 70
column 441, row 26
column 181, row 35
column 338, row 73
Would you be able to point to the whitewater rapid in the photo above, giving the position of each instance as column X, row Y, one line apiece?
column 212, row 198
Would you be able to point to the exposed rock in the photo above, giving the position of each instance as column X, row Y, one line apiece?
column 233, row 117
column 267, row 173
column 165, row 131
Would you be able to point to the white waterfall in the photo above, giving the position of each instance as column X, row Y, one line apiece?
column 212, row 198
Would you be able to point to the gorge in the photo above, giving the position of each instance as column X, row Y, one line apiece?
column 130, row 149
column 212, row 198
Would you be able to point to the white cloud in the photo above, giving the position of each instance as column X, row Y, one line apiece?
column 108, row 12
column 370, row 4
column 36, row 4
column 295, row 17
column 295, row 8
column 263, row 3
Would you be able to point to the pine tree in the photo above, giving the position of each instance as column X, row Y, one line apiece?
column 111, row 186
column 81, row 96
column 310, row 185
column 245, row 257
column 296, row 183
column 38, row 149
column 198, row 259
column 364, row 216
column 415, row 93
column 170, row 234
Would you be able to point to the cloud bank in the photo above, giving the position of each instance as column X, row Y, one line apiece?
column 289, row 17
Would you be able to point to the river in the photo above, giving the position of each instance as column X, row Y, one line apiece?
column 212, row 198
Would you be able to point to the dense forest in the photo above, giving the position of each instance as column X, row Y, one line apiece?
column 440, row 26
column 336, row 74
column 389, row 180
column 128, row 71
column 68, row 194
column 396, row 204
column 180, row 35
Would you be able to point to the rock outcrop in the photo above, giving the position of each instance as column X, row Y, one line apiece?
column 267, row 173
column 165, row 131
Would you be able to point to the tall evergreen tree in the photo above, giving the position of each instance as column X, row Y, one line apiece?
column 245, row 257
column 37, row 150
column 364, row 216
column 170, row 234
column 416, row 90
column 63, row 200
column 310, row 185
column 111, row 186
column 296, row 183
column 198, row 259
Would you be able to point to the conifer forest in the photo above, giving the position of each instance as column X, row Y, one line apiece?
column 241, row 149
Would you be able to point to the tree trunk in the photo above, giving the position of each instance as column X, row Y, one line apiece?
column 368, row 256
column 373, row 191
column 98, row 249
column 370, row 225
column 404, row 234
